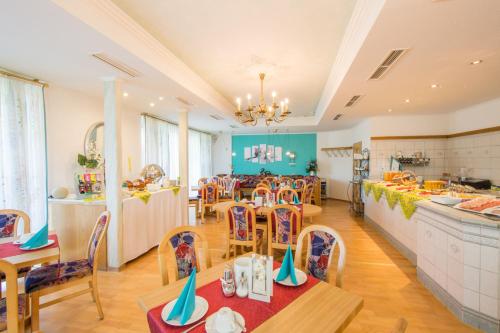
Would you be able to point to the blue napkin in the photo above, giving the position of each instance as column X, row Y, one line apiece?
column 296, row 200
column 281, row 202
column 287, row 267
column 184, row 307
column 39, row 239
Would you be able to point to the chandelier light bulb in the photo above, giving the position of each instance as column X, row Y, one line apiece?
column 249, row 97
column 238, row 100
column 286, row 101
column 274, row 94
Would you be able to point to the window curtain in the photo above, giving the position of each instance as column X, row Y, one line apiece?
column 160, row 145
column 23, row 167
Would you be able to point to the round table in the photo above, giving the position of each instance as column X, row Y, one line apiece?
column 309, row 210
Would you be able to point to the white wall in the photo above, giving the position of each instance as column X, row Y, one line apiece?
column 69, row 114
column 478, row 116
column 221, row 154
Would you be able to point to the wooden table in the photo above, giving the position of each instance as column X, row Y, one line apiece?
column 30, row 258
column 309, row 210
column 323, row 308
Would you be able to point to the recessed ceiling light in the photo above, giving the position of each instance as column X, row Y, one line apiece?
column 151, row 104
column 407, row 100
column 389, row 110
column 125, row 94
column 434, row 85
column 476, row 62
column 160, row 98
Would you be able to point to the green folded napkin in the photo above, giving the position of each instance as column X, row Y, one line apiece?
column 281, row 202
column 39, row 239
column 295, row 200
column 287, row 267
column 184, row 307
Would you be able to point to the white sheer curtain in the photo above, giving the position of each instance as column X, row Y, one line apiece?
column 160, row 145
column 23, row 174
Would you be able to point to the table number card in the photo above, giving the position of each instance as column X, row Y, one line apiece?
column 261, row 282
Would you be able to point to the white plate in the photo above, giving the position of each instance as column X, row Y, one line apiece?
column 210, row 324
column 200, row 309
column 445, row 200
column 49, row 243
column 301, row 278
column 23, row 239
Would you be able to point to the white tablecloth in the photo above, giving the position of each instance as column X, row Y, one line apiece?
column 144, row 225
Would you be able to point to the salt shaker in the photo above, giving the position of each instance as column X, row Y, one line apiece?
column 227, row 282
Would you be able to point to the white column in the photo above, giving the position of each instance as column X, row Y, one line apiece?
column 184, row 161
column 113, row 167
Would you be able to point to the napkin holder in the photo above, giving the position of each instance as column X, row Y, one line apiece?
column 260, row 284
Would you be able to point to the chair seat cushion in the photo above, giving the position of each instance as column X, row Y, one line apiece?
column 51, row 275
column 3, row 310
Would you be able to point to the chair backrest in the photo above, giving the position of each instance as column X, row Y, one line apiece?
column 178, row 247
column 262, row 184
column 287, row 180
column 284, row 225
column 400, row 326
column 307, row 195
column 241, row 222
column 261, row 192
column 202, row 181
column 98, row 234
column 210, row 193
column 299, row 183
column 287, row 194
column 9, row 222
column 320, row 248
column 12, row 300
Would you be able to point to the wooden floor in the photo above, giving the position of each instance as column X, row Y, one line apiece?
column 375, row 270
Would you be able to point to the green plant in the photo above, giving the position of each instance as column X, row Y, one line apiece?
column 312, row 166
column 87, row 162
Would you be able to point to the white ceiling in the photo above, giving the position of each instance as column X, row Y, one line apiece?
column 229, row 42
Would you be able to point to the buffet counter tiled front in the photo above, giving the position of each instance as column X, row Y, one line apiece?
column 456, row 253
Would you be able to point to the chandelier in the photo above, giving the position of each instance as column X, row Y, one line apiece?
column 274, row 112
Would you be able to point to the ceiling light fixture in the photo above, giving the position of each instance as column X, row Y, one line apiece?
column 151, row 104
column 390, row 110
column 274, row 112
column 160, row 98
column 434, row 85
column 407, row 100
column 125, row 94
column 476, row 62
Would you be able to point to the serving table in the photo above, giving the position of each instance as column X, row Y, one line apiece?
column 321, row 308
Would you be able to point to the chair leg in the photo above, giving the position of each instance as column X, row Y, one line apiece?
column 203, row 208
column 95, row 294
column 35, row 311
column 228, row 250
column 92, row 291
column 218, row 216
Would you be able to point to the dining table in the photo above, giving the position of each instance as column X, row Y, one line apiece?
column 27, row 258
column 315, row 306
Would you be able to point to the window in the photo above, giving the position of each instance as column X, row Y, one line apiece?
column 160, row 145
column 23, row 177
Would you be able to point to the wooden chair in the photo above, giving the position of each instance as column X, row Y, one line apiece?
column 307, row 194
column 202, row 181
column 261, row 192
column 299, row 184
column 9, row 222
column 177, row 250
column 283, row 224
column 263, row 184
column 227, row 192
column 209, row 197
column 13, row 306
column 242, row 228
column 400, row 326
column 287, row 180
column 287, row 194
column 56, row 277
column 320, row 248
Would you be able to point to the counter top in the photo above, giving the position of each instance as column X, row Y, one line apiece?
column 457, row 214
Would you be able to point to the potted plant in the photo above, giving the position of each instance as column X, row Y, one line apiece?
column 312, row 167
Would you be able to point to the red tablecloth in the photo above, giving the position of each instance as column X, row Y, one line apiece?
column 9, row 249
column 254, row 312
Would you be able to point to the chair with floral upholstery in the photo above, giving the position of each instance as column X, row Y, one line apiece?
column 227, row 192
column 307, row 195
column 53, row 278
column 287, row 194
column 12, row 307
column 320, row 247
column 286, row 180
column 283, row 224
column 178, row 253
column 240, row 230
column 209, row 197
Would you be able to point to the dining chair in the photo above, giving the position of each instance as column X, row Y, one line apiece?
column 242, row 228
column 287, row 180
column 178, row 251
column 400, row 326
column 261, row 191
column 227, row 192
column 307, row 194
column 320, row 247
column 209, row 197
column 202, row 181
column 264, row 184
column 299, row 184
column 287, row 194
column 49, row 279
column 12, row 307
column 283, row 225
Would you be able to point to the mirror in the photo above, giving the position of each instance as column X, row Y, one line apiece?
column 93, row 147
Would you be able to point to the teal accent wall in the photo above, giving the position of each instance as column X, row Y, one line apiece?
column 304, row 146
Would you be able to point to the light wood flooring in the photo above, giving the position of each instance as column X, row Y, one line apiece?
column 375, row 270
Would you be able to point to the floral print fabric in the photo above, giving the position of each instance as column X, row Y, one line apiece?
column 210, row 194
column 21, row 302
column 284, row 218
column 101, row 224
column 7, row 222
column 322, row 245
column 51, row 275
column 185, row 255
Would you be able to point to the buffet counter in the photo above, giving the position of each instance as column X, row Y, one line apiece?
column 145, row 220
column 457, row 253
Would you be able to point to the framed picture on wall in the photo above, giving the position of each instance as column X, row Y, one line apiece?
column 255, row 154
column 247, row 153
column 270, row 153
column 277, row 154
column 262, row 153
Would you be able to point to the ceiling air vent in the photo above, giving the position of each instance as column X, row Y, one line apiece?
column 233, row 126
column 116, row 64
column 393, row 56
column 216, row 117
column 353, row 100
column 337, row 117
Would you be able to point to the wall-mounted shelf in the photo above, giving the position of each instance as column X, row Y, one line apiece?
column 337, row 151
